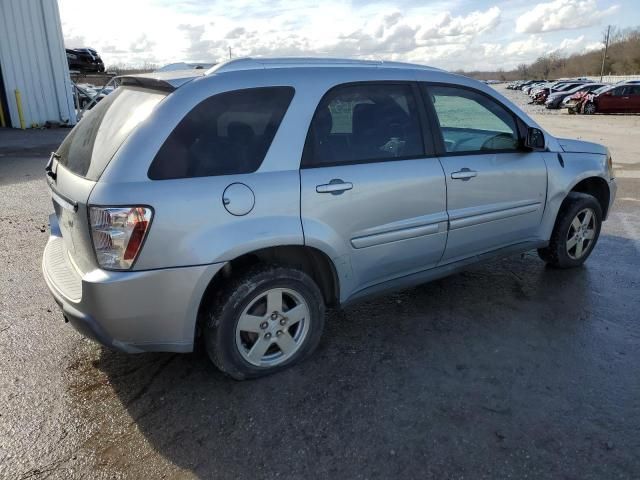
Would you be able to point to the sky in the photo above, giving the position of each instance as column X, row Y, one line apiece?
column 449, row 34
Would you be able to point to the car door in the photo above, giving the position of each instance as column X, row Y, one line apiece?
column 612, row 101
column 495, row 188
column 372, row 190
column 633, row 104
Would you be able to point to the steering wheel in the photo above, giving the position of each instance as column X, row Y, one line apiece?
column 489, row 143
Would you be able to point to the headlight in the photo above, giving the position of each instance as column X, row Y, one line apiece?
column 118, row 234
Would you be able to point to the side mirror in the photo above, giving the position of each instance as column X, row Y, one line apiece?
column 535, row 139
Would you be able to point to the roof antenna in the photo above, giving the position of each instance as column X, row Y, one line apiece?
column 229, row 52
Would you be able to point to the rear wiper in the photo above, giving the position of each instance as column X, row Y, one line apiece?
column 49, row 167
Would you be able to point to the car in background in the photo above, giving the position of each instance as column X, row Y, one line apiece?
column 554, row 100
column 541, row 94
column 574, row 102
column 620, row 98
column 84, row 60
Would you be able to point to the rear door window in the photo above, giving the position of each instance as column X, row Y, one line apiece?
column 228, row 133
column 95, row 139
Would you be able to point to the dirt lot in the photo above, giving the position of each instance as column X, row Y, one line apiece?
column 510, row 370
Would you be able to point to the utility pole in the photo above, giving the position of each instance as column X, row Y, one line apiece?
column 606, row 47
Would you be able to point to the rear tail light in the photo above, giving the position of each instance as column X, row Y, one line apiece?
column 118, row 233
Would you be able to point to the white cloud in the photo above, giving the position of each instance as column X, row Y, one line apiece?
column 435, row 32
column 446, row 25
column 562, row 15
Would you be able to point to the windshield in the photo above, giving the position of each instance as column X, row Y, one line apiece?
column 603, row 89
column 89, row 147
column 578, row 88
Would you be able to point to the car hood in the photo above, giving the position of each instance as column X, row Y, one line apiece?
column 580, row 146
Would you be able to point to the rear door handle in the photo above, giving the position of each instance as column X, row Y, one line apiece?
column 335, row 186
column 464, row 174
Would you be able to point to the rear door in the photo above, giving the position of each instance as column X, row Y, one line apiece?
column 372, row 188
column 495, row 189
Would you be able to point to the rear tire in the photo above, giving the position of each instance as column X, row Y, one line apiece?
column 266, row 320
column 589, row 108
column 575, row 233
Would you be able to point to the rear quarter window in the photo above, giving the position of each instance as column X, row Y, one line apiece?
column 92, row 143
column 229, row 133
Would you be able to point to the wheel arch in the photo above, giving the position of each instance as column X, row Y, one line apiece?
column 596, row 187
column 314, row 262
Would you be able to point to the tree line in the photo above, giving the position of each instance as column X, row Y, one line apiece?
column 623, row 58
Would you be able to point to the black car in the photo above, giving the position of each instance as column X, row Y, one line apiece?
column 84, row 60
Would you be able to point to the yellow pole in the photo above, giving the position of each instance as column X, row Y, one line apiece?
column 3, row 122
column 19, row 104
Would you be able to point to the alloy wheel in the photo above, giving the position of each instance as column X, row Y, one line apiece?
column 273, row 327
column 581, row 234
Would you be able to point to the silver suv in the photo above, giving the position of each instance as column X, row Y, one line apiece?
column 229, row 207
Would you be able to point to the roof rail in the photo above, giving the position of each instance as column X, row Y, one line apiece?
column 249, row 63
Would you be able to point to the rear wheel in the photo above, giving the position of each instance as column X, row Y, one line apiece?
column 268, row 319
column 575, row 233
column 589, row 108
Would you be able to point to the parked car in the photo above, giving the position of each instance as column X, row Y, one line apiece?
column 623, row 98
column 84, row 95
column 233, row 208
column 554, row 100
column 574, row 102
column 541, row 95
column 523, row 85
column 84, row 60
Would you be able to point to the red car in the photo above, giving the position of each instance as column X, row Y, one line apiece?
column 618, row 99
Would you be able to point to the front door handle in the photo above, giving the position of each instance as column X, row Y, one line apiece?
column 464, row 174
column 335, row 186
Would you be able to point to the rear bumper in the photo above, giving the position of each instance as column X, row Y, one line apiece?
column 153, row 310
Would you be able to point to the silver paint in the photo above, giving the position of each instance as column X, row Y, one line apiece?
column 384, row 225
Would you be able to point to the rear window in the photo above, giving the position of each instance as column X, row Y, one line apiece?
column 89, row 147
column 226, row 134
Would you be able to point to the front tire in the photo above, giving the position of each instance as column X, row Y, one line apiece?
column 575, row 233
column 265, row 321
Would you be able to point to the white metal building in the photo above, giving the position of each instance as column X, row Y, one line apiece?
column 34, row 75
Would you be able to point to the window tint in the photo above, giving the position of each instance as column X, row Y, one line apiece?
column 95, row 139
column 226, row 134
column 470, row 121
column 365, row 122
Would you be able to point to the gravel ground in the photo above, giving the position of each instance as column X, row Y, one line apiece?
column 509, row 370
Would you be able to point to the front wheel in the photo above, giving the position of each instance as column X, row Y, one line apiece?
column 267, row 319
column 575, row 233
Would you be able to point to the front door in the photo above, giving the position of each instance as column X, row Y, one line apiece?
column 373, row 194
column 495, row 189
column 633, row 104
